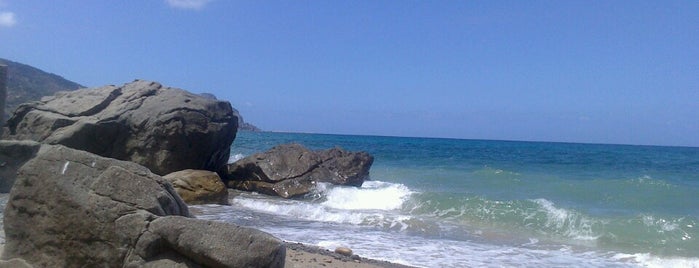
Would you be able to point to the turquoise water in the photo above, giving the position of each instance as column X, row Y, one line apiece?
column 456, row 203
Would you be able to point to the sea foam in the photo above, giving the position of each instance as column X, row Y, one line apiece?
column 372, row 204
column 373, row 195
column 235, row 157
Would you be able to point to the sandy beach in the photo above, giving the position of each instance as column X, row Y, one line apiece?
column 300, row 255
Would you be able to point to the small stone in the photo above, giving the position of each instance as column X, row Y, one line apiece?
column 343, row 251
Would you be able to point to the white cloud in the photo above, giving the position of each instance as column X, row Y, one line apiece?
column 188, row 4
column 7, row 19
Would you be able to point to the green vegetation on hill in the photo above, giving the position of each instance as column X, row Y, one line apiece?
column 26, row 83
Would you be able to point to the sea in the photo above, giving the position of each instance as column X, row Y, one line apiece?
column 433, row 202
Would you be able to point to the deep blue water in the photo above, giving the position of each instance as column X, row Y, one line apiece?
column 455, row 203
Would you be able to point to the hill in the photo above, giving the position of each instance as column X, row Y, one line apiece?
column 26, row 83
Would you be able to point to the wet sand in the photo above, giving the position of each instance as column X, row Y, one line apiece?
column 299, row 255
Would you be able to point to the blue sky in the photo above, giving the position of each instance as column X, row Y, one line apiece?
column 573, row 71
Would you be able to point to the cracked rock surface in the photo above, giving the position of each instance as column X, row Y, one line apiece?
column 71, row 208
column 164, row 129
column 291, row 170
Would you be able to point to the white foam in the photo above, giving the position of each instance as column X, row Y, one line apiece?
column 403, row 247
column 374, row 204
column 648, row 260
column 235, row 157
column 571, row 224
column 663, row 224
column 318, row 212
column 373, row 195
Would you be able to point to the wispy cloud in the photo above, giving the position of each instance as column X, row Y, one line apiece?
column 188, row 4
column 7, row 19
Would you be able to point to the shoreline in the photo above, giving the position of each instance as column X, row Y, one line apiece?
column 300, row 255
column 303, row 255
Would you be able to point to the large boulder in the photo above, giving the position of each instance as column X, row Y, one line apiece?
column 199, row 186
column 165, row 129
column 291, row 170
column 13, row 154
column 71, row 208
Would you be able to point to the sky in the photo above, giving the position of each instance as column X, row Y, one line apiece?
column 622, row 72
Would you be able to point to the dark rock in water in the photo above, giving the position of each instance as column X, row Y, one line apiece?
column 286, row 188
column 291, row 170
column 199, row 186
column 164, row 129
column 71, row 208
column 342, row 167
column 13, row 154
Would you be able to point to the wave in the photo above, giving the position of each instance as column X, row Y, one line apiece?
column 373, row 195
column 543, row 219
column 376, row 203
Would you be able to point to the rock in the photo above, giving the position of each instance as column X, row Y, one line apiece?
column 15, row 263
column 343, row 251
column 13, row 154
column 199, row 186
column 279, row 163
column 245, row 126
column 164, row 129
column 286, row 189
column 216, row 244
column 292, row 170
column 342, row 167
column 71, row 208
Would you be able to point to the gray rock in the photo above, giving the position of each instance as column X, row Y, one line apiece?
column 13, row 154
column 71, row 208
column 199, row 186
column 286, row 188
column 291, row 170
column 164, row 129
column 14, row 263
column 216, row 244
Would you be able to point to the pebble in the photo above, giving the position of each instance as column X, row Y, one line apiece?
column 343, row 251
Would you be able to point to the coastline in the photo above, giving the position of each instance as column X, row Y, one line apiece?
column 300, row 255
column 306, row 256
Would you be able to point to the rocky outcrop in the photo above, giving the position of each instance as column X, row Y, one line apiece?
column 291, row 170
column 71, row 208
column 245, row 126
column 199, row 186
column 13, row 154
column 164, row 129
